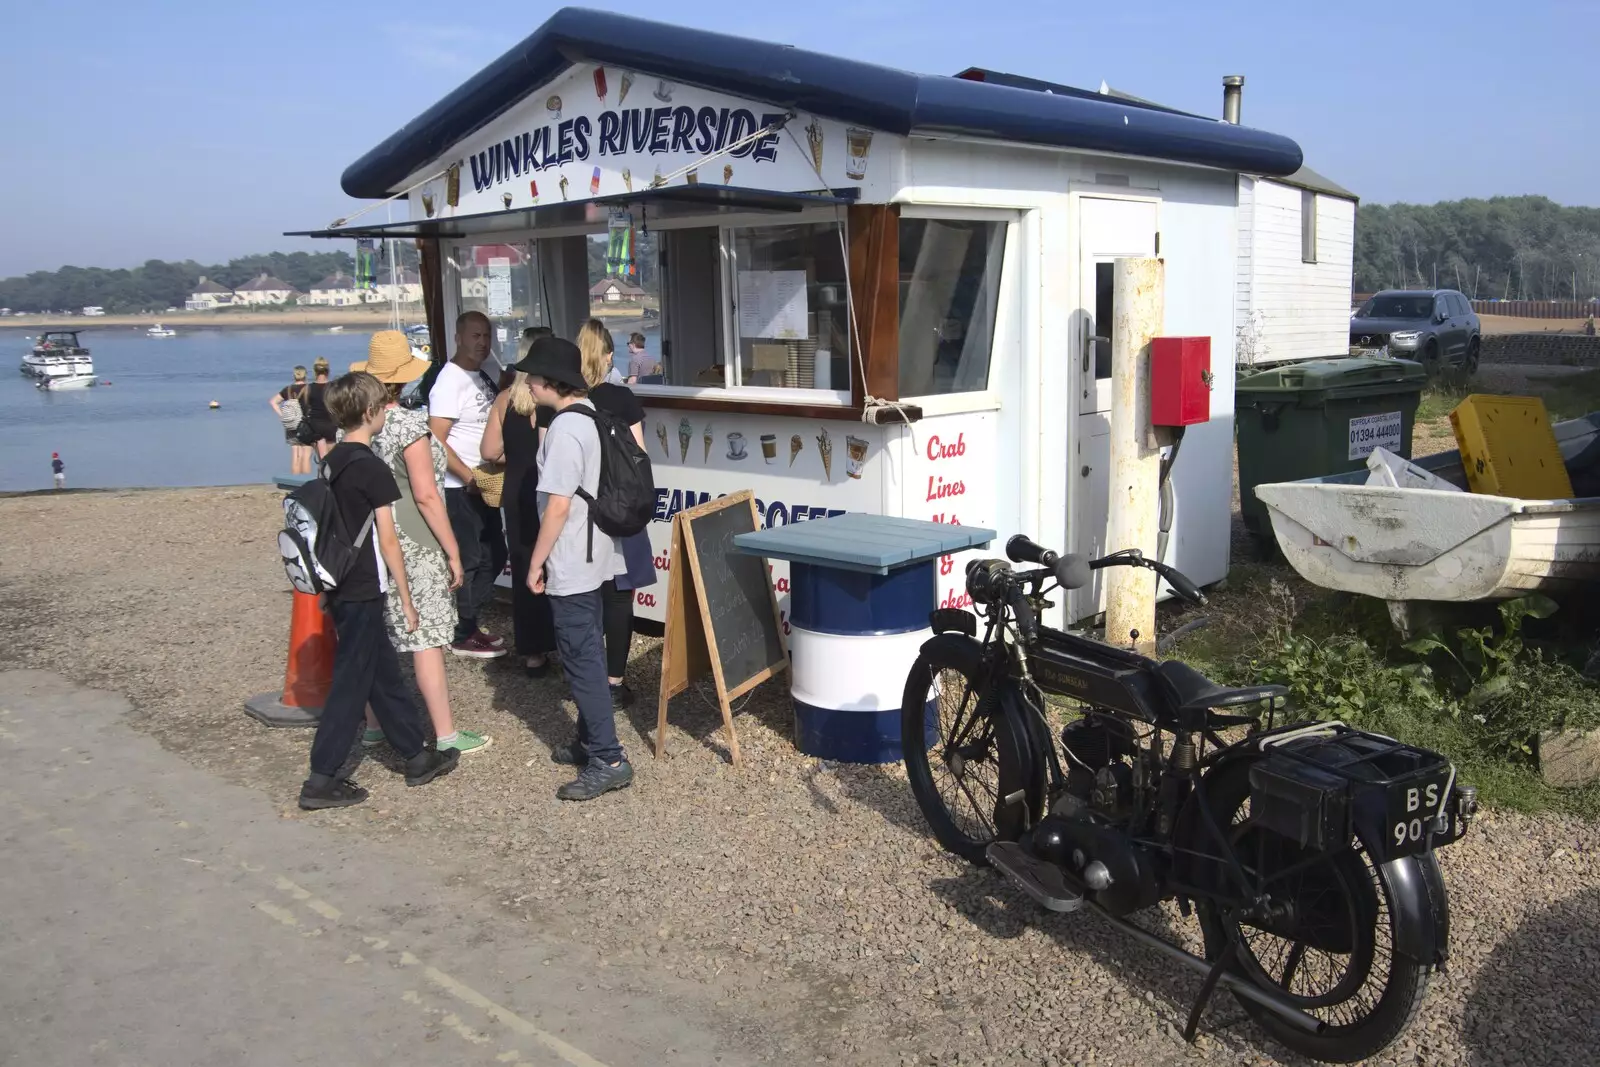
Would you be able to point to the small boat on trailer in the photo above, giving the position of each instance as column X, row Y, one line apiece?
column 1405, row 545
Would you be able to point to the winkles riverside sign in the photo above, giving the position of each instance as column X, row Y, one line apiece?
column 597, row 132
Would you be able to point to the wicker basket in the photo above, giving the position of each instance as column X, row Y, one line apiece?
column 491, row 481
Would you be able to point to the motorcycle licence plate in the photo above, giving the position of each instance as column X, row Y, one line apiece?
column 1414, row 810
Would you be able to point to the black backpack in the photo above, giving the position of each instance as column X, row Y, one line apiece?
column 318, row 550
column 626, row 501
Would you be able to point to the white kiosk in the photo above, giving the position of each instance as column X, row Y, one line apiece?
column 860, row 289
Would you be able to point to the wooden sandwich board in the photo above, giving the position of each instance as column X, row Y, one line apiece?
column 722, row 614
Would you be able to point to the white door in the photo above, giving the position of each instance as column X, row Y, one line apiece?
column 1108, row 229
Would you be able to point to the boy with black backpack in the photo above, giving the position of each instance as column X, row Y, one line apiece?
column 577, row 550
column 344, row 568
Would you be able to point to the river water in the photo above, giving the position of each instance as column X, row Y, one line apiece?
column 152, row 426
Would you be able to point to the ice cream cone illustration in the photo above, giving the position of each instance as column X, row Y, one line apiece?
column 855, row 456
column 797, row 445
column 505, row 198
column 427, row 204
column 727, row 174
column 627, row 179
column 661, row 433
column 825, row 446
column 563, row 184
column 657, row 181
column 623, row 86
column 858, row 143
column 600, row 83
column 533, row 187
column 553, row 105
column 706, row 437
column 814, row 139
column 685, row 433
column 452, row 185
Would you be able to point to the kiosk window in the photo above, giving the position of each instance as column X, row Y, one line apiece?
column 502, row 281
column 791, row 320
column 949, row 288
column 624, row 292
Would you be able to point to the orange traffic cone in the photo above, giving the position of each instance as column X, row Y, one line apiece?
column 310, row 670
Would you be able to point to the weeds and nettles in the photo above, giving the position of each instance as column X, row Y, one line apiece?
column 1479, row 694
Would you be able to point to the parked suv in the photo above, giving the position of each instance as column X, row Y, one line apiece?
column 1435, row 327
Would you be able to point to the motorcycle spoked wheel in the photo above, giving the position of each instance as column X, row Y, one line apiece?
column 1334, row 957
column 980, row 757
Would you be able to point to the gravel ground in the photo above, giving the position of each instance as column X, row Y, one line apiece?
column 808, row 899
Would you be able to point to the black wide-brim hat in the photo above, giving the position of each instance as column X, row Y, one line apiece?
column 555, row 360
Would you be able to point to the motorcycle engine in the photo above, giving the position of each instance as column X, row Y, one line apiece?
column 1098, row 747
column 1114, row 872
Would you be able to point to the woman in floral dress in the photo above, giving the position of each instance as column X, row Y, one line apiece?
column 427, row 543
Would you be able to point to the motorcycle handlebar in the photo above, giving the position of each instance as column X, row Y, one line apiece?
column 1180, row 582
column 1021, row 549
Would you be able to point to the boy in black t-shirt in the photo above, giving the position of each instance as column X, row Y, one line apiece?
column 366, row 668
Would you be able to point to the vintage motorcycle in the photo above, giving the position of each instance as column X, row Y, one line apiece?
column 1305, row 849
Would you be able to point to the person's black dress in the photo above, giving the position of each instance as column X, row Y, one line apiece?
column 317, row 416
column 534, row 631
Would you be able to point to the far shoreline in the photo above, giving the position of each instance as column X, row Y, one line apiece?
column 375, row 317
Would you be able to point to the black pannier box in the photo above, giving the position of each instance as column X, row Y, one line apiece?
column 1306, row 804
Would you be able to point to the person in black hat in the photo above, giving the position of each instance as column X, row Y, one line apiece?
column 572, row 560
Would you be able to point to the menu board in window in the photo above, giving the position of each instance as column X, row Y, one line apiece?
column 772, row 303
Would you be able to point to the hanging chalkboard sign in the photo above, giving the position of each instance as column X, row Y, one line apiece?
column 722, row 615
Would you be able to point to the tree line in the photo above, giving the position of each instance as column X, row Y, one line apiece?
column 1504, row 248
column 158, row 285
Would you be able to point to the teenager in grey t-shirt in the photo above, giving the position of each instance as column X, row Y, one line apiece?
column 569, row 459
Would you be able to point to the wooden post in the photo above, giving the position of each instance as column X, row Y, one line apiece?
column 1135, row 493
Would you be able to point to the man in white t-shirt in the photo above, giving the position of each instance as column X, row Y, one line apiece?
column 458, row 411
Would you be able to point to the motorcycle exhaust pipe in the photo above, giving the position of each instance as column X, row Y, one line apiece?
column 1242, row 986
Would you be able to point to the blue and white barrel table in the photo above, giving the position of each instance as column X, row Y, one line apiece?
column 861, row 588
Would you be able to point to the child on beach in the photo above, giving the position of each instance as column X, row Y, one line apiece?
column 570, row 568
column 59, row 470
column 427, row 542
column 366, row 668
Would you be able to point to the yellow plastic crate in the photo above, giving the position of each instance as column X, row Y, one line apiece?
column 1508, row 448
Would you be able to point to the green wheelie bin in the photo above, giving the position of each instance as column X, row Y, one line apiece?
column 1319, row 417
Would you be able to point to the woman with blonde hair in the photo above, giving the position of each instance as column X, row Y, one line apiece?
column 292, row 419
column 511, row 436
column 318, row 429
column 427, row 542
column 616, row 400
column 599, row 350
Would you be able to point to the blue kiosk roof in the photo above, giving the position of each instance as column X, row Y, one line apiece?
column 854, row 541
column 883, row 98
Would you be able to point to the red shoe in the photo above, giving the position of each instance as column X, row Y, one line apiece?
column 492, row 640
column 474, row 647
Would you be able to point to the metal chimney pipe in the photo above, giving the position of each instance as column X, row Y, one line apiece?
column 1232, row 95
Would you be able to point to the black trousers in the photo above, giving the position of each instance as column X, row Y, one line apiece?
column 366, row 670
column 483, row 554
column 618, row 616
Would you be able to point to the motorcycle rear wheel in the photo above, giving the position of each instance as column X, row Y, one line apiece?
column 981, row 757
column 1370, row 992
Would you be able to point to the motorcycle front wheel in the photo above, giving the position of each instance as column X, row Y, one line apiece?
column 976, row 780
column 1333, row 953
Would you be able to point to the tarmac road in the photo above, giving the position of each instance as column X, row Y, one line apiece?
column 152, row 914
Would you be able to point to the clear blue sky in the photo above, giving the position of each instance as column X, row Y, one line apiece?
column 175, row 130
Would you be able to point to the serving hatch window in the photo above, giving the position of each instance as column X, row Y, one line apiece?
column 949, row 292
column 503, row 281
column 789, row 309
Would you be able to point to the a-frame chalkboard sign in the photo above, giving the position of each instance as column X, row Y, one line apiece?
column 722, row 615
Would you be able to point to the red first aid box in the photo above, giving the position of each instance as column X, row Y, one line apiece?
column 1180, row 381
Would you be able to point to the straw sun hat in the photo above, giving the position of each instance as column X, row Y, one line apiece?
column 389, row 359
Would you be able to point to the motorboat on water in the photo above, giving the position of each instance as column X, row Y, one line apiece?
column 159, row 330
column 57, row 354
column 68, row 381
column 420, row 340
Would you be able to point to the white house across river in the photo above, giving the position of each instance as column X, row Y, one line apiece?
column 867, row 290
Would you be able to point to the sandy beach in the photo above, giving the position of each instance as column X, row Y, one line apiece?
column 807, row 901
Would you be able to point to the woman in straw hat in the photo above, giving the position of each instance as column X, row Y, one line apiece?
column 427, row 543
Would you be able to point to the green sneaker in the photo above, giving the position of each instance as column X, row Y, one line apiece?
column 371, row 738
column 466, row 741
